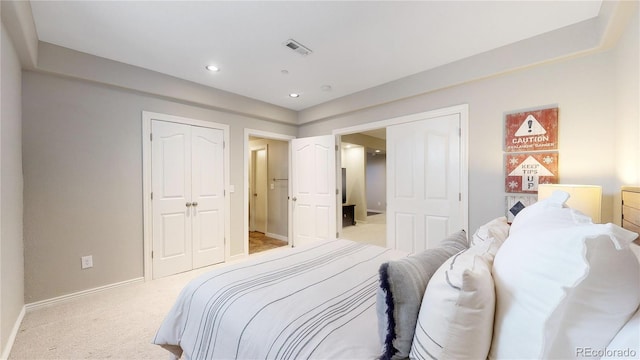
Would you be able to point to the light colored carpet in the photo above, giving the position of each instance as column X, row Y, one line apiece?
column 372, row 231
column 117, row 323
column 120, row 323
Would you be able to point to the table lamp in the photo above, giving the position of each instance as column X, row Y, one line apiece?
column 584, row 198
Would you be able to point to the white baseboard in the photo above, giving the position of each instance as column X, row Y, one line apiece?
column 12, row 337
column 277, row 237
column 237, row 257
column 56, row 300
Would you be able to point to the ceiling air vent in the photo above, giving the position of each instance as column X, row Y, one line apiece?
column 297, row 47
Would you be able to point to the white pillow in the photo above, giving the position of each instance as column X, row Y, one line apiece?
column 497, row 229
column 456, row 314
column 625, row 345
column 562, row 287
column 552, row 212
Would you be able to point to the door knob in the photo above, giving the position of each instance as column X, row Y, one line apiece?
column 188, row 204
column 295, row 198
column 195, row 203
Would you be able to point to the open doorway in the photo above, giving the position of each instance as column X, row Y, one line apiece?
column 267, row 179
column 363, row 162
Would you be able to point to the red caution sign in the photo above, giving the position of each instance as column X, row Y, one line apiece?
column 532, row 130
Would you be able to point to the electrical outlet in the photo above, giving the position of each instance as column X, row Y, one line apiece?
column 87, row 262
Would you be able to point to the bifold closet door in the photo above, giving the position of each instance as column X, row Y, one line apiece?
column 188, row 197
column 207, row 189
column 423, row 182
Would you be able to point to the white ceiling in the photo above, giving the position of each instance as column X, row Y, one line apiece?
column 356, row 45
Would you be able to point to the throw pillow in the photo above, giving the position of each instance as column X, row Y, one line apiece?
column 497, row 229
column 402, row 285
column 456, row 315
column 562, row 285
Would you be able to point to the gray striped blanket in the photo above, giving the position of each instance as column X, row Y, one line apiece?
column 315, row 301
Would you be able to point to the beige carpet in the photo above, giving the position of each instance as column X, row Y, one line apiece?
column 118, row 323
column 112, row 324
column 372, row 231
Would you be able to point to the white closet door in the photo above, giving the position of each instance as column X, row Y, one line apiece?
column 171, row 178
column 188, row 197
column 313, row 166
column 423, row 177
column 207, row 196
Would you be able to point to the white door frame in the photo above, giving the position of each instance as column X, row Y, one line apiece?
column 247, row 154
column 147, row 234
column 462, row 109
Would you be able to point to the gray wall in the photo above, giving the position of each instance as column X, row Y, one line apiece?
column 627, row 125
column 11, row 240
column 83, row 180
column 585, row 90
column 354, row 161
column 82, row 146
column 377, row 182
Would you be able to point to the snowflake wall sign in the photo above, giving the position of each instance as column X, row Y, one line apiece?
column 524, row 171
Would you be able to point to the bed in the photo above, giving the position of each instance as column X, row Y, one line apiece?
column 550, row 285
column 323, row 296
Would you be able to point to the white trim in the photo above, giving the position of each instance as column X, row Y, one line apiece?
column 147, row 116
column 463, row 111
column 237, row 257
column 247, row 153
column 277, row 237
column 14, row 333
column 68, row 297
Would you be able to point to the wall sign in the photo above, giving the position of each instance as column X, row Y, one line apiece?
column 515, row 203
column 524, row 171
column 532, row 130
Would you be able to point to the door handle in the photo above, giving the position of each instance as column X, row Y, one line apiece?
column 188, row 204
column 295, row 198
column 195, row 203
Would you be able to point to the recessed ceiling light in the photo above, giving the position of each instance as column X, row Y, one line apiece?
column 212, row 68
column 294, row 95
column 377, row 151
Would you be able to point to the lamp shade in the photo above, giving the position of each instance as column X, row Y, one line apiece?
column 584, row 198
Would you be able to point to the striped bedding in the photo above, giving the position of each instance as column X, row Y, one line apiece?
column 316, row 301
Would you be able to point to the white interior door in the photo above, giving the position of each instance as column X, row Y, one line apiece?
column 423, row 182
column 207, row 196
column 171, row 178
column 313, row 167
column 188, row 217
